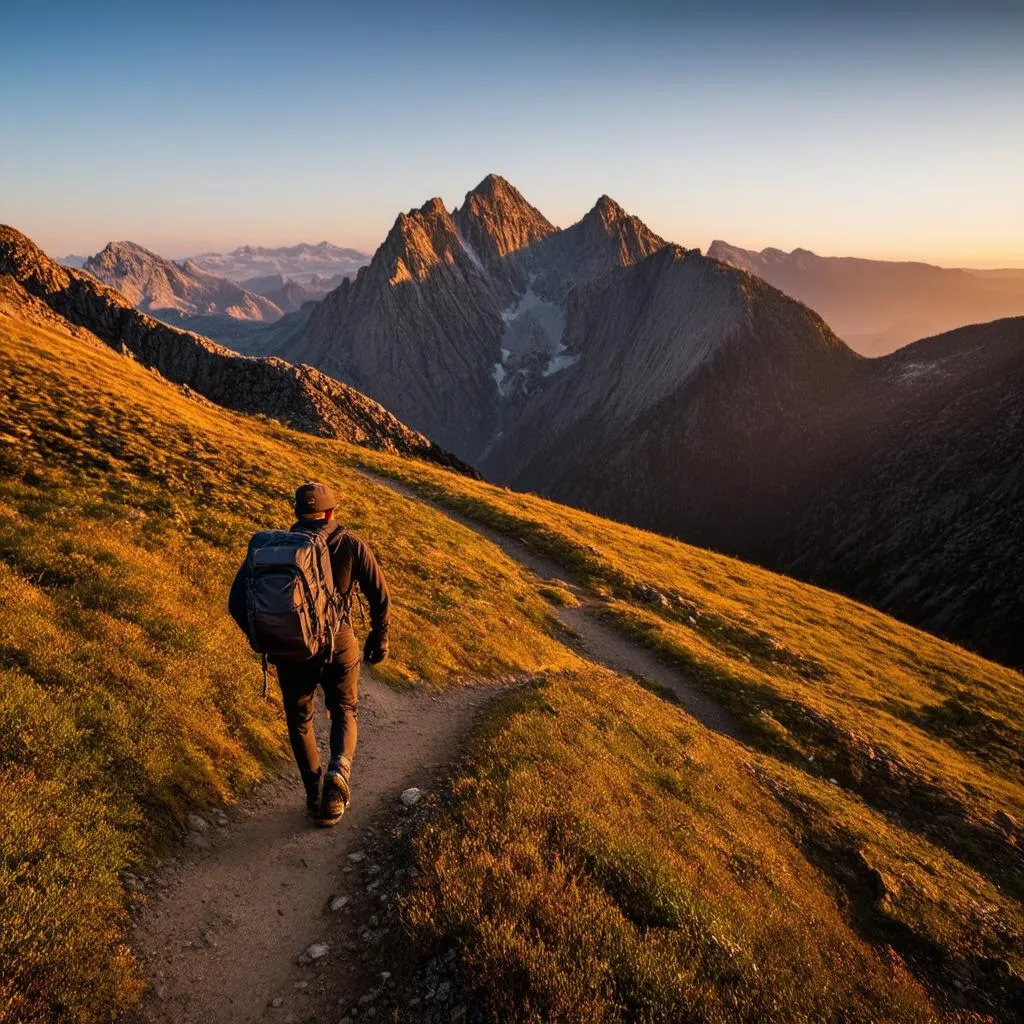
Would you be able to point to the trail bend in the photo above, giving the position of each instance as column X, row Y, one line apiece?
column 598, row 641
column 221, row 934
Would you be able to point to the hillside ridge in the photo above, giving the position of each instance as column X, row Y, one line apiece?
column 300, row 396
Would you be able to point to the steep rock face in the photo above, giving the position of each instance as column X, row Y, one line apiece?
column 418, row 328
column 683, row 366
column 496, row 220
column 876, row 306
column 920, row 511
column 606, row 238
column 459, row 317
column 156, row 285
column 299, row 396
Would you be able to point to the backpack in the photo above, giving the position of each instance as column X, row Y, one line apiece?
column 293, row 605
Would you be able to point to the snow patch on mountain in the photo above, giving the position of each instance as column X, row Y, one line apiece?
column 532, row 324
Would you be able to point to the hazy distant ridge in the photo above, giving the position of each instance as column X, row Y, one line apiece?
column 313, row 265
column 877, row 306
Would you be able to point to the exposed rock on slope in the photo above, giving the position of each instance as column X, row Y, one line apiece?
column 459, row 316
column 707, row 405
column 299, row 396
column 159, row 286
column 683, row 365
column 875, row 305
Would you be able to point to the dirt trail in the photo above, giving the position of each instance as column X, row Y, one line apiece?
column 229, row 916
column 221, row 937
column 599, row 641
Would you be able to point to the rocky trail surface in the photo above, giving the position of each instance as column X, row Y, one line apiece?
column 263, row 917
column 239, row 926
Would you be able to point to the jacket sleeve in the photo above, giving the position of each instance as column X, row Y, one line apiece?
column 368, row 574
column 236, row 599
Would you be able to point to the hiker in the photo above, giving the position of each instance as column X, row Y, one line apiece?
column 316, row 647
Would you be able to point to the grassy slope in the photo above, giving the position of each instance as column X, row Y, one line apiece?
column 607, row 858
column 919, row 831
column 126, row 693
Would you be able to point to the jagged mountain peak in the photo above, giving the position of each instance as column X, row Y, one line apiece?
column 121, row 251
column 496, row 220
column 419, row 241
column 608, row 210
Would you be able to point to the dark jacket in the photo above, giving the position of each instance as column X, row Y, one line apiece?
column 351, row 562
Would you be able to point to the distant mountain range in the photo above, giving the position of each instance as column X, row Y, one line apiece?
column 167, row 289
column 877, row 306
column 298, row 396
column 600, row 366
column 321, row 267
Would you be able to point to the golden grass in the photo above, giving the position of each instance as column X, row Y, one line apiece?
column 606, row 857
column 126, row 693
column 921, row 738
column 608, row 860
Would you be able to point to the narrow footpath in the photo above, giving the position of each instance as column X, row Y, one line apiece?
column 598, row 641
column 229, row 922
column 223, row 934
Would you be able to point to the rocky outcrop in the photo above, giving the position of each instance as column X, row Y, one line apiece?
column 160, row 286
column 298, row 396
column 707, row 405
column 459, row 316
column 876, row 306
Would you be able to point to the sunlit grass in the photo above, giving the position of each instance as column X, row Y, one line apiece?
column 126, row 693
column 897, row 749
column 608, row 859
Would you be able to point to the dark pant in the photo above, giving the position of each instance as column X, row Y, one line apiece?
column 339, row 679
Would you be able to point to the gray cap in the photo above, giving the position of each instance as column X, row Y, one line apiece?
column 314, row 498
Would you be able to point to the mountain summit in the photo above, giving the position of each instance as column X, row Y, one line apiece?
column 162, row 287
column 460, row 315
column 496, row 220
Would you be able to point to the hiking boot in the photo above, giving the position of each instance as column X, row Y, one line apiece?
column 335, row 796
column 313, row 782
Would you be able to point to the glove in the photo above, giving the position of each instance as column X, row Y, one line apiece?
column 376, row 648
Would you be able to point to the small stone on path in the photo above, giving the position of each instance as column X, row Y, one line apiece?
column 358, row 857
column 197, row 823
column 411, row 797
column 318, row 950
column 339, row 903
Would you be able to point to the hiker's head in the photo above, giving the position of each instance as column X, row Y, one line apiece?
column 314, row 501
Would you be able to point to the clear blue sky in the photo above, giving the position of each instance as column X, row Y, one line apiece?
column 890, row 130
